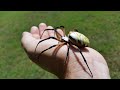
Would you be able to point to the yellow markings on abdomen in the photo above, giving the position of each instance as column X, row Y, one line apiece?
column 79, row 39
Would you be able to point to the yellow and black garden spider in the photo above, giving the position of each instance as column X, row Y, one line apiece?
column 74, row 38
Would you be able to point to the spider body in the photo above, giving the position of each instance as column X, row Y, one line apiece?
column 78, row 39
column 74, row 38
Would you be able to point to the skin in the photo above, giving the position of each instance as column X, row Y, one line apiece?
column 53, row 59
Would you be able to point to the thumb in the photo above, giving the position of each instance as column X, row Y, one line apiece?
column 28, row 42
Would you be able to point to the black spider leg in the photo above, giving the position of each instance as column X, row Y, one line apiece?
column 76, row 30
column 63, row 29
column 67, row 52
column 48, row 48
column 85, row 61
column 57, row 32
column 44, row 40
column 51, row 29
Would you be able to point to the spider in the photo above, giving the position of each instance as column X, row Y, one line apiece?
column 74, row 38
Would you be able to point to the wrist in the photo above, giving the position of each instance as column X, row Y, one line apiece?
column 76, row 71
column 75, row 68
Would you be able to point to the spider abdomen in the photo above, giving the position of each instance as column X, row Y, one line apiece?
column 78, row 39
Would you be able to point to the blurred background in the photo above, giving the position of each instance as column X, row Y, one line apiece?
column 101, row 27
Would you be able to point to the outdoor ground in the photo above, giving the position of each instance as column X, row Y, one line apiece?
column 101, row 27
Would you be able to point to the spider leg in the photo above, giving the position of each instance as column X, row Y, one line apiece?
column 67, row 53
column 44, row 31
column 85, row 60
column 57, row 34
column 63, row 29
column 50, row 47
column 76, row 30
column 44, row 40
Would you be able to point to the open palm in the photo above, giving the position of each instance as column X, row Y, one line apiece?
column 53, row 59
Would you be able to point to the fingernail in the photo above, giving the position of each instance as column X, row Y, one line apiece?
column 42, row 24
column 34, row 27
column 25, row 33
column 49, row 27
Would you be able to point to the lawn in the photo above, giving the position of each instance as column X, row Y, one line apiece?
column 101, row 27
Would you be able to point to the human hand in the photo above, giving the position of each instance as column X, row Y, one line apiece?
column 75, row 68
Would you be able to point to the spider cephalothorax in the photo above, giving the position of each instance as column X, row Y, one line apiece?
column 74, row 38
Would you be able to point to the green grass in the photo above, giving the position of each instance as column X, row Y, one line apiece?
column 101, row 27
